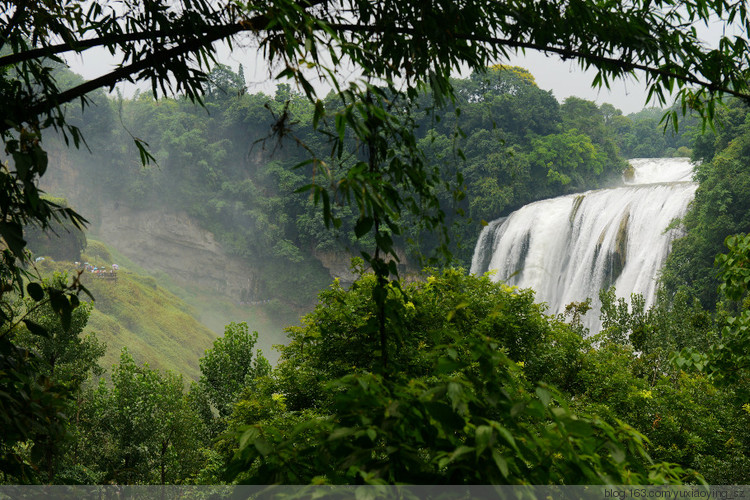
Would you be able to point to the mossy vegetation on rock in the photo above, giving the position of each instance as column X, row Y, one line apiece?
column 629, row 173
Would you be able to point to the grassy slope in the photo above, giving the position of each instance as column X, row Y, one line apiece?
column 155, row 325
column 161, row 323
column 216, row 311
column 136, row 312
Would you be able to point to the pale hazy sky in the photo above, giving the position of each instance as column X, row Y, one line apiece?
column 566, row 78
column 563, row 78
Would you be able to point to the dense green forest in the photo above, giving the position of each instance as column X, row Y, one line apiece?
column 720, row 208
column 441, row 378
column 647, row 387
column 443, row 413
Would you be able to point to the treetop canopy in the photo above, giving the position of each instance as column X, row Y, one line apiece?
column 413, row 42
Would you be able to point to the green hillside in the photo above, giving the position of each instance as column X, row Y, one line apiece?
column 136, row 311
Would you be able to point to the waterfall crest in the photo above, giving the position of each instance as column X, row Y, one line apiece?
column 568, row 248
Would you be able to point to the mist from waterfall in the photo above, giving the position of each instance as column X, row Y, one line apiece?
column 569, row 248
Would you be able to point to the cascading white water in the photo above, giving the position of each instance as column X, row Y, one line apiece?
column 568, row 248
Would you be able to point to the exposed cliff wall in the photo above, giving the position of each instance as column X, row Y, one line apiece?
column 173, row 243
column 339, row 265
column 167, row 241
column 65, row 178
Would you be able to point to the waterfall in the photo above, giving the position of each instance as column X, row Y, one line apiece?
column 568, row 248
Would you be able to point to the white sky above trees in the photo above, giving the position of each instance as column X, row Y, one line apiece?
column 564, row 78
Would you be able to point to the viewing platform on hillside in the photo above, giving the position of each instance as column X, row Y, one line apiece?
column 108, row 273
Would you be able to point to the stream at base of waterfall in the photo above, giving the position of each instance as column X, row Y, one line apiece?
column 569, row 248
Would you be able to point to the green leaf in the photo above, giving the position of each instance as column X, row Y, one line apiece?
column 483, row 438
column 445, row 365
column 618, row 454
column 501, row 463
column 544, row 395
column 340, row 433
column 363, row 226
column 506, row 435
column 35, row 290
column 251, row 434
column 443, row 414
column 579, row 427
column 340, row 126
column 36, row 329
column 460, row 451
column 61, row 306
column 145, row 154
column 263, row 447
column 453, row 312
column 12, row 233
column 455, row 394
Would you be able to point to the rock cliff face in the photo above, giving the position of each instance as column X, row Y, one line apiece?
column 64, row 178
column 339, row 265
column 168, row 242
column 173, row 243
